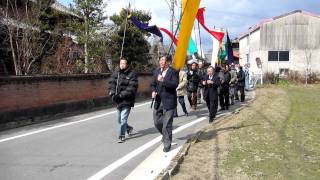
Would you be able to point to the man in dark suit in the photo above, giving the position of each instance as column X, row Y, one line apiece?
column 211, row 82
column 164, row 85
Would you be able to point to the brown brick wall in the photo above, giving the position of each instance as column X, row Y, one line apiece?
column 35, row 92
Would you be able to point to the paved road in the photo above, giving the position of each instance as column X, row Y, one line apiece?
column 79, row 147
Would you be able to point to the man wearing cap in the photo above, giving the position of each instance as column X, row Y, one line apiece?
column 123, row 87
column 164, row 85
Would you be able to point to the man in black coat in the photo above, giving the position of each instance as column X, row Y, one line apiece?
column 224, row 91
column 201, row 72
column 211, row 82
column 164, row 85
column 241, row 83
column 192, row 86
column 123, row 87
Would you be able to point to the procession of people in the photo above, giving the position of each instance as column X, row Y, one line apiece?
column 200, row 82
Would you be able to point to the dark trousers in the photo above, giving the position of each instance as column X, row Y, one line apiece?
column 163, row 122
column 212, row 104
column 224, row 98
column 242, row 95
column 200, row 91
column 232, row 92
column 192, row 97
column 236, row 90
column 183, row 106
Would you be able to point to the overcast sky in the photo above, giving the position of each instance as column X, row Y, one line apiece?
column 235, row 15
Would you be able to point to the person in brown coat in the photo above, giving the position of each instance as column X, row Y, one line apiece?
column 182, row 91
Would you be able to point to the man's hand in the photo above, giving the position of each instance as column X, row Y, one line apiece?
column 116, row 98
column 209, row 82
column 160, row 78
column 111, row 94
column 154, row 94
column 204, row 83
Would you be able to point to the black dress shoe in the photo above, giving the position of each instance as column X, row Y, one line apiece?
column 211, row 119
column 166, row 149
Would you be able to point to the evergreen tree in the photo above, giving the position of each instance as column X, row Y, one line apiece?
column 136, row 48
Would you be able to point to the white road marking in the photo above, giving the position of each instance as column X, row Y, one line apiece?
column 152, row 166
column 64, row 125
column 102, row 173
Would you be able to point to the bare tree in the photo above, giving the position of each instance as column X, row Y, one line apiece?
column 308, row 55
column 27, row 41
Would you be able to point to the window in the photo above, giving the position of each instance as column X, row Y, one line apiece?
column 283, row 55
column 273, row 56
column 278, row 56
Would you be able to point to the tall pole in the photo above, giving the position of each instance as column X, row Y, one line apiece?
column 172, row 20
column 124, row 32
column 86, row 53
column 172, row 16
column 200, row 41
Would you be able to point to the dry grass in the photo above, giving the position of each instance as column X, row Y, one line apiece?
column 275, row 137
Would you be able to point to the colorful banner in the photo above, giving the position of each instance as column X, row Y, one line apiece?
column 215, row 51
column 192, row 48
column 200, row 17
column 229, row 50
column 195, row 35
column 145, row 26
column 190, row 9
column 174, row 39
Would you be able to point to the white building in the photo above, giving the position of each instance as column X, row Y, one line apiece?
column 290, row 42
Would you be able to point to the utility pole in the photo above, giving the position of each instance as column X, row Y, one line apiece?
column 172, row 16
column 86, row 53
column 172, row 20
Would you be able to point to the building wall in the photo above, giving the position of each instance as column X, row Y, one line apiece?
column 297, row 33
column 252, row 51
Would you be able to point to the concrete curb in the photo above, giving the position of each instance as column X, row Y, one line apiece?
column 174, row 166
